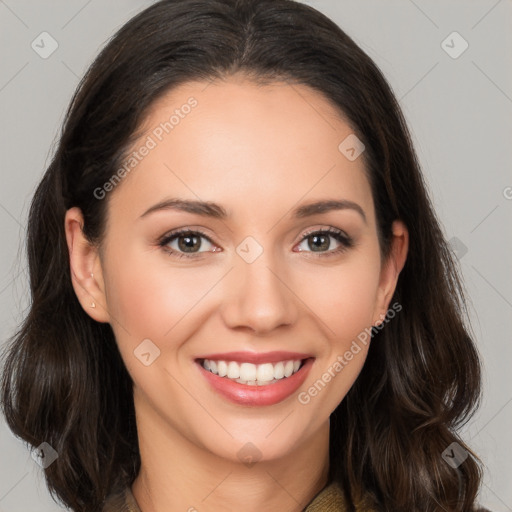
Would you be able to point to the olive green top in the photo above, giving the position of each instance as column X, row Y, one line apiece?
column 330, row 499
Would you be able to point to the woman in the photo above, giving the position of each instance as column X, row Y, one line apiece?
column 185, row 349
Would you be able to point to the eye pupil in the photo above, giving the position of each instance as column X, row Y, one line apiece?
column 189, row 242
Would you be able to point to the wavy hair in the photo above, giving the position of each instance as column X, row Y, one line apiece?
column 64, row 381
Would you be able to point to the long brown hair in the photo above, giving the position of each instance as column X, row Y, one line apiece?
column 64, row 381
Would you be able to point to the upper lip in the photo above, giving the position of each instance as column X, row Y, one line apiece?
column 257, row 357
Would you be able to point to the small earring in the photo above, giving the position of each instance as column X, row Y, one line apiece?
column 93, row 305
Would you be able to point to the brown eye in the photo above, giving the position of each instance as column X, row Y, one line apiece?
column 321, row 242
column 186, row 243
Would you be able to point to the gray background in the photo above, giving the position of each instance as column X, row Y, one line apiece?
column 459, row 111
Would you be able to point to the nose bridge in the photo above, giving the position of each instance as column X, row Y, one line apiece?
column 259, row 298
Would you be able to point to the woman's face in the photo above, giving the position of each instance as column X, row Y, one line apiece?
column 255, row 277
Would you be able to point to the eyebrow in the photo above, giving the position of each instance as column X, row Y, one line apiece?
column 214, row 210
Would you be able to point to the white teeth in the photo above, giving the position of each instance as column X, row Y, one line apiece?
column 233, row 370
column 222, row 368
column 279, row 370
column 265, row 372
column 253, row 374
column 247, row 382
column 248, row 371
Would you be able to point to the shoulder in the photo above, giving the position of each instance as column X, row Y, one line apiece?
column 121, row 501
column 330, row 498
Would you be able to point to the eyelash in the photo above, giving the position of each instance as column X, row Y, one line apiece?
column 345, row 241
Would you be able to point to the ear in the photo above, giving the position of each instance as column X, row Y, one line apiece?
column 390, row 270
column 85, row 268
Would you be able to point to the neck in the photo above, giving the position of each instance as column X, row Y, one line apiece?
column 178, row 475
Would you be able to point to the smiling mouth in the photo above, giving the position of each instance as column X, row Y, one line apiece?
column 253, row 374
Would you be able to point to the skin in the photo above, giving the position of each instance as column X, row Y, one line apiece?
column 259, row 151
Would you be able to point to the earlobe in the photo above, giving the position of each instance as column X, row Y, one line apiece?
column 85, row 268
column 391, row 269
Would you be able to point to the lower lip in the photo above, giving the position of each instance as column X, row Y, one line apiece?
column 270, row 394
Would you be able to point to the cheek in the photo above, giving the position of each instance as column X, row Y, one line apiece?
column 346, row 308
column 149, row 298
column 344, row 298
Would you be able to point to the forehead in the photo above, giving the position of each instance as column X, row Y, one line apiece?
column 244, row 145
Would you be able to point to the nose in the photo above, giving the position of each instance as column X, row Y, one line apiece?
column 259, row 296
